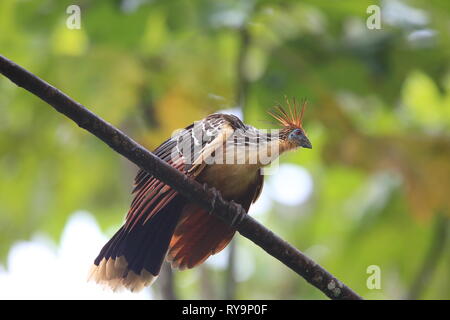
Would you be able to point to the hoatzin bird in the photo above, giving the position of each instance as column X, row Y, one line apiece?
column 219, row 151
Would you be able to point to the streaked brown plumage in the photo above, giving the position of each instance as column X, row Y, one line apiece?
column 162, row 223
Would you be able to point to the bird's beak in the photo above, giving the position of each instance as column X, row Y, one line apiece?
column 305, row 143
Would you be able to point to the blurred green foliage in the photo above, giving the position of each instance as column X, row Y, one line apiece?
column 379, row 120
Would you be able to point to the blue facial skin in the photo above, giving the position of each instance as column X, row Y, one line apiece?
column 299, row 138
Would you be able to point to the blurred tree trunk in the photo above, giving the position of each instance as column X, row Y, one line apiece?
column 242, row 86
column 165, row 283
column 230, row 279
column 207, row 289
column 432, row 257
column 242, row 83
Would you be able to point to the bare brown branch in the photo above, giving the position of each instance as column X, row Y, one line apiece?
column 231, row 213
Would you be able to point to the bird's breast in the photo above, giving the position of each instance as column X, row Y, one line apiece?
column 232, row 180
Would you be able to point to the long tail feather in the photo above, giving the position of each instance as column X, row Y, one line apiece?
column 133, row 257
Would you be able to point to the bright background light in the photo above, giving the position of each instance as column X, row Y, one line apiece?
column 38, row 269
column 292, row 185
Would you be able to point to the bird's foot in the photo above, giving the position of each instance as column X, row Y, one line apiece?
column 237, row 219
column 216, row 195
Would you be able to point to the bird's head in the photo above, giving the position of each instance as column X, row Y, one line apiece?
column 292, row 132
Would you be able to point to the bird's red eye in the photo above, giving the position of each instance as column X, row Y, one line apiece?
column 297, row 132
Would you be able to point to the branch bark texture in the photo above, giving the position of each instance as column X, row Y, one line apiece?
column 229, row 212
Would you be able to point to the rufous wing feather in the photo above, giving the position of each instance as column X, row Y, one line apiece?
column 199, row 234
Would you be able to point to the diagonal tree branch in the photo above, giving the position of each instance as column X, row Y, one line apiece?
column 230, row 212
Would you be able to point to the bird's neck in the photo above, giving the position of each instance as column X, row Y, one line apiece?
column 256, row 155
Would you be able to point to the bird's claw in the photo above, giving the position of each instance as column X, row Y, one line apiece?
column 237, row 219
column 215, row 194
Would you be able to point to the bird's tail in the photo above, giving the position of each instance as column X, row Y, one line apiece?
column 133, row 257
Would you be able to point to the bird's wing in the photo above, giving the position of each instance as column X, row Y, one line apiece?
column 132, row 258
column 185, row 151
column 199, row 234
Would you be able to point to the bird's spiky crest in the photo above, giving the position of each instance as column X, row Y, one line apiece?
column 293, row 117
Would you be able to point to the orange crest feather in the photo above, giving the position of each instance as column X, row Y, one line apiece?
column 291, row 118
